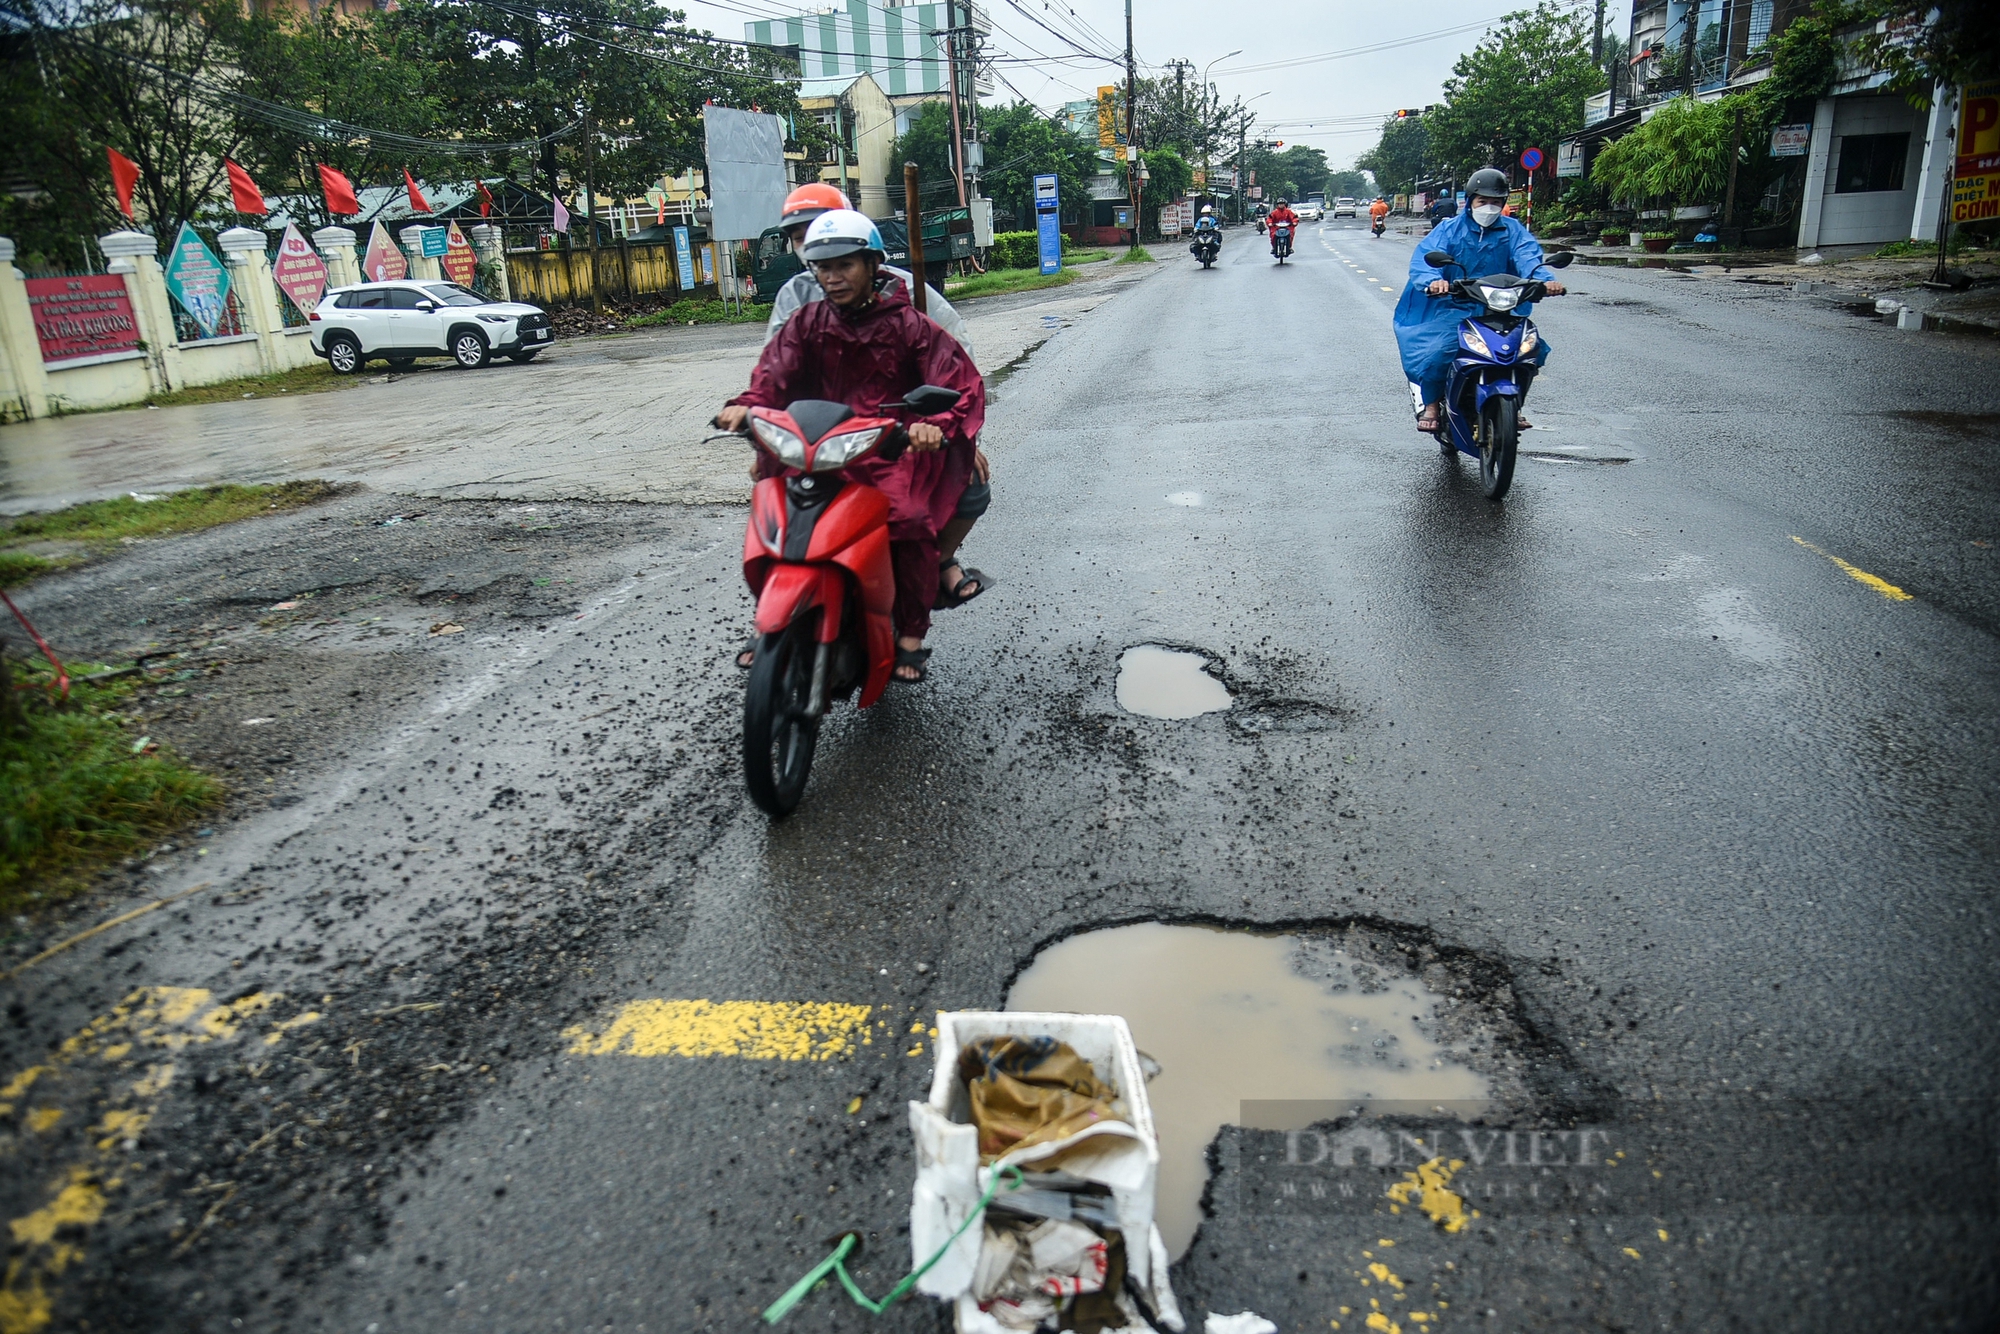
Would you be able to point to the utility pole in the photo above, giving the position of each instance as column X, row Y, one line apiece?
column 1180, row 97
column 590, row 200
column 1690, row 21
column 951, row 67
column 1597, row 38
column 1131, row 111
column 1242, row 149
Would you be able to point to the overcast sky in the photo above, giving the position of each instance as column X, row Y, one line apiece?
column 1334, row 104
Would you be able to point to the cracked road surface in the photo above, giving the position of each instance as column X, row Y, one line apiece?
column 1635, row 763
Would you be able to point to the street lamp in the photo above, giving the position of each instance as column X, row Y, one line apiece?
column 1206, row 129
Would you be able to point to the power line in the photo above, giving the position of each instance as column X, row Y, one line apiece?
column 1365, row 50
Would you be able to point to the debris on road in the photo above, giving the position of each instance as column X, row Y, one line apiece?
column 1243, row 1322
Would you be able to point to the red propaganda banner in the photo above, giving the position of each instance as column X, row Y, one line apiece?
column 384, row 261
column 86, row 318
column 460, row 263
column 299, row 271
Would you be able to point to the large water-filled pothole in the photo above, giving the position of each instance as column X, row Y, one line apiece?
column 1168, row 683
column 1232, row 1016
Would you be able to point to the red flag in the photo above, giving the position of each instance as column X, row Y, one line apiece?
column 339, row 191
column 244, row 195
column 663, row 209
column 417, row 200
column 485, row 201
column 124, row 176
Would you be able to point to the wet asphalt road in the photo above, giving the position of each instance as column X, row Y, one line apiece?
column 1705, row 814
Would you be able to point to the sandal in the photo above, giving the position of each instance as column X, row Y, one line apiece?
column 911, row 657
column 956, row 596
column 1428, row 419
column 746, row 657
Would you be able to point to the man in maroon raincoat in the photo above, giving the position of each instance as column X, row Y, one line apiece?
column 866, row 346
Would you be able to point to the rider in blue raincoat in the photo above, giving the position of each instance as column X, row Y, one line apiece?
column 1484, row 241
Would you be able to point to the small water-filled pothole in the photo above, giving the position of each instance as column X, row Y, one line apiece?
column 1231, row 1016
column 1168, row 683
column 1192, row 500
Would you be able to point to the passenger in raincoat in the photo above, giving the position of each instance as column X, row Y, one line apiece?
column 1484, row 241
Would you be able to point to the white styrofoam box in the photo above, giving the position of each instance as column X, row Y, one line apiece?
column 1124, row 1156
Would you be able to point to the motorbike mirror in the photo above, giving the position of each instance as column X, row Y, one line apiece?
column 929, row 399
column 1439, row 259
column 1562, row 260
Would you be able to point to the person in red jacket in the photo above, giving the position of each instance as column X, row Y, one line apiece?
column 866, row 345
column 1282, row 214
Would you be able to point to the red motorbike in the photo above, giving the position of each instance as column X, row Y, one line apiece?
column 816, row 557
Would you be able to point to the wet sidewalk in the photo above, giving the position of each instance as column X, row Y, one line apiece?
column 618, row 418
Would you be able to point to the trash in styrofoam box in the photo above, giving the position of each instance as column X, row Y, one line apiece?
column 1062, row 1099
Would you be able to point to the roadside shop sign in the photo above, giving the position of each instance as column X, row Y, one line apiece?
column 1048, row 223
column 684, row 259
column 708, row 263
column 384, row 261
column 461, row 264
column 300, row 273
column 82, row 319
column 1569, row 158
column 198, row 280
column 1791, row 140
column 1975, row 186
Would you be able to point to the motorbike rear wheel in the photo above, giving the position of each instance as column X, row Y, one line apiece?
column 1499, row 436
column 778, row 735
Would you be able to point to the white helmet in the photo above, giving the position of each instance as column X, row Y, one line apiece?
column 841, row 231
column 1207, row 209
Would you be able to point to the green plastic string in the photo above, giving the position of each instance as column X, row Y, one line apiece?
column 836, row 1263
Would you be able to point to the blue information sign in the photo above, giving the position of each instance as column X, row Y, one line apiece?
column 1048, row 223
column 684, row 258
column 436, row 241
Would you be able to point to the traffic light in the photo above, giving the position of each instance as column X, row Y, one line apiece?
column 1408, row 113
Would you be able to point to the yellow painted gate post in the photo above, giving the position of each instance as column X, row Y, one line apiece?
column 24, row 383
column 412, row 241
column 256, row 295
column 336, row 246
column 492, row 247
column 136, row 255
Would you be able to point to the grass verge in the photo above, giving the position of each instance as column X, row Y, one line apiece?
column 995, row 282
column 313, row 379
column 701, row 312
column 77, row 790
column 1086, row 256
column 1136, row 255
column 102, row 524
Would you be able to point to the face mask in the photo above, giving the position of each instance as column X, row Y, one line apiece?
column 1486, row 214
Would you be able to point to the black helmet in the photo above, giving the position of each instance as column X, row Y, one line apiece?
column 1487, row 181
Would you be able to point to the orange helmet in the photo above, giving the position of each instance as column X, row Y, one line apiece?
column 808, row 202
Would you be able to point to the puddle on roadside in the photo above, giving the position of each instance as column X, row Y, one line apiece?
column 1187, row 499
column 1168, row 683
column 1232, row 1016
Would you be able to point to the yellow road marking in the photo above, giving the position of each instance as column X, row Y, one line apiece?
column 1882, row 586
column 47, row 1240
column 755, row 1030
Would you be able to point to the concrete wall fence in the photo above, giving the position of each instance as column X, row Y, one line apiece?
column 106, row 340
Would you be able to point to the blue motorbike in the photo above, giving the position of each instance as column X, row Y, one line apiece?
column 1492, row 371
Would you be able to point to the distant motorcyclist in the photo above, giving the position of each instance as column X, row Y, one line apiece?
column 1282, row 215
column 1483, row 241
column 1378, row 215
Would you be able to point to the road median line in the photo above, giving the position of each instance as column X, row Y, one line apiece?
column 1861, row 576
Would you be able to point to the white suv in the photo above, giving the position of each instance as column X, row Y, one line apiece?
column 398, row 322
column 1343, row 205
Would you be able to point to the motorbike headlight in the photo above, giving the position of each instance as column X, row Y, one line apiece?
column 1500, row 298
column 1529, row 340
column 791, row 450
column 837, row 451
column 1470, row 337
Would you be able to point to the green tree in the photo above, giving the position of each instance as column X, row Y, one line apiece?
column 150, row 78
column 1021, row 143
column 1524, row 85
column 1401, row 157
column 1926, row 42
column 1681, row 156
column 1169, row 177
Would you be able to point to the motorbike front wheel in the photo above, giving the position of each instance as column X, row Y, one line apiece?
column 778, row 734
column 1498, row 437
